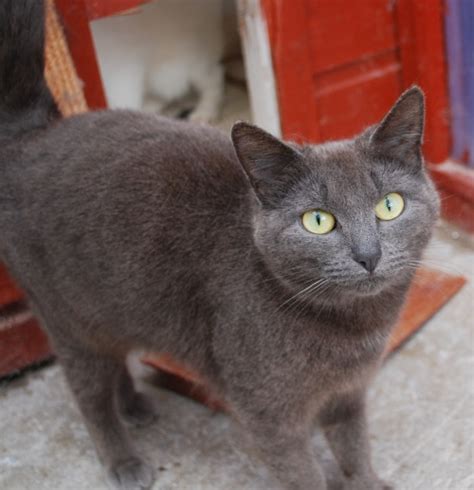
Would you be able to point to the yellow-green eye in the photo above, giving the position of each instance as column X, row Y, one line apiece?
column 390, row 207
column 318, row 221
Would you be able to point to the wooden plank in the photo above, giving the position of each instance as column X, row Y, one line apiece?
column 456, row 186
column 22, row 345
column 97, row 9
column 343, row 32
column 81, row 46
column 289, row 36
column 430, row 290
column 258, row 67
column 337, row 69
column 353, row 97
column 340, row 65
column 9, row 292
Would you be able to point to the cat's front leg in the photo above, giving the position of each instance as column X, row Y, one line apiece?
column 344, row 423
column 286, row 450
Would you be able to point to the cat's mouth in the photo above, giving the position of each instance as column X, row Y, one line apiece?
column 369, row 285
column 372, row 285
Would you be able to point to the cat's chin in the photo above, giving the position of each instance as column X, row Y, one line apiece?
column 371, row 286
column 374, row 284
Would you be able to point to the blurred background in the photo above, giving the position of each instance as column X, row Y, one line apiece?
column 307, row 71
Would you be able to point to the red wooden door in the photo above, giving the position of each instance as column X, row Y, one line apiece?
column 339, row 65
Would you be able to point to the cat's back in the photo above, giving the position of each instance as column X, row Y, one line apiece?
column 116, row 147
column 116, row 170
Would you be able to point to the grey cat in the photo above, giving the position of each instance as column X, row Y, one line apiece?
column 275, row 270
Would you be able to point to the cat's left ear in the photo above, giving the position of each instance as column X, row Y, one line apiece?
column 269, row 163
column 400, row 134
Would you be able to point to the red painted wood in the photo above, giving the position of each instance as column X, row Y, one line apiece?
column 78, row 34
column 457, row 210
column 173, row 376
column 456, row 186
column 336, row 65
column 340, row 65
column 9, row 292
column 428, row 293
column 21, row 346
column 422, row 52
column 103, row 8
column 291, row 50
column 343, row 32
column 356, row 96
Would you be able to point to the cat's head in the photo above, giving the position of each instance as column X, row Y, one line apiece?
column 353, row 215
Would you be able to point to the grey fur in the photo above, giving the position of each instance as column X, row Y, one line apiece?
column 128, row 231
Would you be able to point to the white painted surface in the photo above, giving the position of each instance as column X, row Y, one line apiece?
column 258, row 66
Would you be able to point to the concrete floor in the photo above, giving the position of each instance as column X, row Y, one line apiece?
column 421, row 413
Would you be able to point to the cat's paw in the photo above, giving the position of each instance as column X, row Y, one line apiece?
column 139, row 411
column 367, row 484
column 131, row 474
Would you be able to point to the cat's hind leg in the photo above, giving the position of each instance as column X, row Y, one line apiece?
column 94, row 380
column 209, row 83
column 135, row 408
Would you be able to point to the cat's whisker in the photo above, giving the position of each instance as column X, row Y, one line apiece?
column 313, row 293
column 313, row 284
column 301, row 299
column 433, row 263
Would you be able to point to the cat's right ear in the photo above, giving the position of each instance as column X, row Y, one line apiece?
column 268, row 162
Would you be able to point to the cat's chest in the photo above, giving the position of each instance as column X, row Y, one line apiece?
column 340, row 362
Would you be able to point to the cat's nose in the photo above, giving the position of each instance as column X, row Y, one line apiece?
column 367, row 258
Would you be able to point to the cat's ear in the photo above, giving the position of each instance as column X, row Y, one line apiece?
column 268, row 162
column 400, row 133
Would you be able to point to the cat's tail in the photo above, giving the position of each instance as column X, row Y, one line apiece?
column 25, row 100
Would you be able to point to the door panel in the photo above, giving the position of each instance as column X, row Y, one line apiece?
column 340, row 65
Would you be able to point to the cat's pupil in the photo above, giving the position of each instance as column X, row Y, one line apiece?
column 318, row 219
column 388, row 203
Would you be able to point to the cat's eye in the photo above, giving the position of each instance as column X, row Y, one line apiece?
column 318, row 221
column 390, row 207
